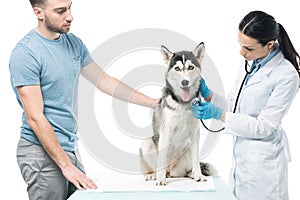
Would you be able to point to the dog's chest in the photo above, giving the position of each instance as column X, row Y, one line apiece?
column 181, row 126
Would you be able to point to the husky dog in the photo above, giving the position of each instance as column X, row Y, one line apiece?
column 173, row 150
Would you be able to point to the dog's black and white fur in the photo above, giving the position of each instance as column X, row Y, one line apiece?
column 173, row 151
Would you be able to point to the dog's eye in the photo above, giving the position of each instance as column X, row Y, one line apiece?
column 191, row 67
column 177, row 69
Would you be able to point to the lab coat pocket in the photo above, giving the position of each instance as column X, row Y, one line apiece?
column 266, row 168
column 262, row 150
column 262, row 160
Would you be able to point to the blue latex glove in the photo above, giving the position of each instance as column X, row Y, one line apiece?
column 205, row 92
column 206, row 110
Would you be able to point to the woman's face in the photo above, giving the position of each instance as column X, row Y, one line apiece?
column 251, row 49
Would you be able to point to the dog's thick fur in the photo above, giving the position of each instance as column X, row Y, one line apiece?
column 173, row 151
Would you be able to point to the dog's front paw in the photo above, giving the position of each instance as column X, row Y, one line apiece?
column 161, row 177
column 161, row 182
column 199, row 178
column 197, row 175
column 150, row 177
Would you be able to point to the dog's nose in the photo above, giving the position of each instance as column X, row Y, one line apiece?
column 185, row 83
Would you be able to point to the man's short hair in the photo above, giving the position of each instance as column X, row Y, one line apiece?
column 37, row 2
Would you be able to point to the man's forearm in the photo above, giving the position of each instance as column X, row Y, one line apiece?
column 115, row 87
column 48, row 140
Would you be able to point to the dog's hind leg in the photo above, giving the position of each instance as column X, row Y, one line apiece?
column 148, row 159
column 181, row 166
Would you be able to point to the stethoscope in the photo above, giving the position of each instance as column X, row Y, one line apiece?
column 245, row 78
column 196, row 101
column 256, row 65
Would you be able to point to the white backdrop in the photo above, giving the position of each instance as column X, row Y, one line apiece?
column 214, row 22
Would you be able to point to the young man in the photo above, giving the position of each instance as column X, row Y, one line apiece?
column 45, row 66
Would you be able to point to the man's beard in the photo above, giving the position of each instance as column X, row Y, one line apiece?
column 53, row 28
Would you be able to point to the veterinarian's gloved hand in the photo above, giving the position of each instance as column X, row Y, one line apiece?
column 206, row 110
column 204, row 90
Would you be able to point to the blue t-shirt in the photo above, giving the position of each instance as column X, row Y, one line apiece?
column 54, row 65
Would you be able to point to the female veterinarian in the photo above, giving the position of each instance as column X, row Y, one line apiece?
column 256, row 107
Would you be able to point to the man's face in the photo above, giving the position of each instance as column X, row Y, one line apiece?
column 57, row 15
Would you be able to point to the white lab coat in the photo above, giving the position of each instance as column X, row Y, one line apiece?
column 260, row 151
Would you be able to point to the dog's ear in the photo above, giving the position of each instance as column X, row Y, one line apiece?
column 167, row 54
column 199, row 52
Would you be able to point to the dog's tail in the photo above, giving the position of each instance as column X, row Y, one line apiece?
column 208, row 169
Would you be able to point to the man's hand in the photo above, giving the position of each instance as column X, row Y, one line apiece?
column 79, row 179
